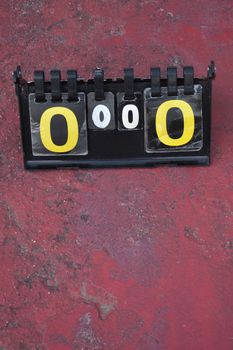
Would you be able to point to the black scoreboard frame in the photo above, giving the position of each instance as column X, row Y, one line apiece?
column 110, row 148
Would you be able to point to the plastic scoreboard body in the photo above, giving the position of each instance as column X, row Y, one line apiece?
column 121, row 122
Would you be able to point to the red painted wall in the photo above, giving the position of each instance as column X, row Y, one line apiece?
column 123, row 259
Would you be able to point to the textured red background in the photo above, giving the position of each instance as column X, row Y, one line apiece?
column 123, row 259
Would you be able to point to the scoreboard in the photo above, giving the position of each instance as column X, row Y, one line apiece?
column 115, row 122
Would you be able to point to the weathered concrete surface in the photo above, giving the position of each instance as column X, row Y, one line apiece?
column 116, row 259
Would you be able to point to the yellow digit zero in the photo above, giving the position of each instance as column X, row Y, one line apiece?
column 161, row 123
column 72, row 129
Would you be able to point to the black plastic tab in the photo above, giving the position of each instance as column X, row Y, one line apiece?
column 39, row 86
column 99, row 84
column 17, row 75
column 155, row 75
column 211, row 72
column 129, row 83
column 18, row 80
column 72, row 85
column 172, row 81
column 188, row 80
column 56, row 85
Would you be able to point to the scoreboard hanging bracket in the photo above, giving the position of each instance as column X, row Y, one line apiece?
column 115, row 122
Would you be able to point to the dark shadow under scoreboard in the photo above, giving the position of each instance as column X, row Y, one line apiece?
column 121, row 122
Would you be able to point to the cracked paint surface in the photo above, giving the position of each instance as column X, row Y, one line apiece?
column 117, row 259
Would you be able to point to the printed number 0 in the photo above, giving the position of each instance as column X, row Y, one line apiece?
column 72, row 129
column 161, row 123
column 96, row 116
column 125, row 116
